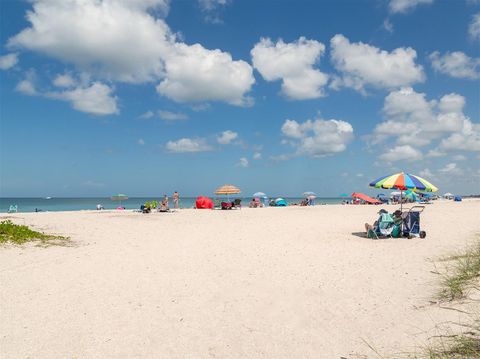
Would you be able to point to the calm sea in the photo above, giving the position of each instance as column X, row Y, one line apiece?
column 76, row 204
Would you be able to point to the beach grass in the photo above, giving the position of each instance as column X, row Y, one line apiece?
column 462, row 275
column 460, row 278
column 19, row 234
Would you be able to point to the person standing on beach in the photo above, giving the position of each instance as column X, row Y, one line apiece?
column 176, row 199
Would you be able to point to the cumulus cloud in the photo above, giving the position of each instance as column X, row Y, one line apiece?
column 8, row 61
column 257, row 156
column 172, row 116
column 364, row 65
column 96, row 99
column 387, row 25
column 64, row 80
column 401, row 153
column 226, row 137
column 141, row 141
column 294, row 64
column 118, row 40
column 188, row 145
column 411, row 120
column 474, row 27
column 243, row 162
column 195, row 74
column 319, row 137
column 456, row 64
column 403, row 6
column 146, row 115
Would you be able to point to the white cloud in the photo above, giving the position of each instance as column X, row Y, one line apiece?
column 172, row 116
column 410, row 120
column 195, row 74
column 147, row 115
column 456, row 64
column 459, row 158
column 401, row 153
column 318, row 138
column 96, row 99
column 8, row 61
column 188, row 145
column 211, row 10
column 293, row 63
column 451, row 168
column 64, row 80
column 365, row 65
column 474, row 27
column 426, row 173
column 124, row 41
column 387, row 25
column 141, row 142
column 403, row 6
column 257, row 156
column 226, row 137
column 26, row 87
column 243, row 162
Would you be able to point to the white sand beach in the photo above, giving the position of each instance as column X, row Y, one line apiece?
column 294, row 282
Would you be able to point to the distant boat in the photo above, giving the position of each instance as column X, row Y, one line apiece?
column 48, row 197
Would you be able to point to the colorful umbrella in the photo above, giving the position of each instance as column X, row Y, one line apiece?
column 404, row 181
column 227, row 189
column 119, row 197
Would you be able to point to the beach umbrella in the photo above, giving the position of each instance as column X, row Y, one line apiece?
column 410, row 195
column 227, row 189
column 280, row 202
column 259, row 195
column 309, row 194
column 403, row 181
column 119, row 197
column 343, row 195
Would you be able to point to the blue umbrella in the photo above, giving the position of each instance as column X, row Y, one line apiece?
column 259, row 195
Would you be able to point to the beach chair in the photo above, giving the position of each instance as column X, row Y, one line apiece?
column 384, row 228
column 217, row 204
column 13, row 208
column 411, row 222
column 237, row 203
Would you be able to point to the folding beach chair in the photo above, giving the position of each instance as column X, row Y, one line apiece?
column 13, row 208
column 384, row 228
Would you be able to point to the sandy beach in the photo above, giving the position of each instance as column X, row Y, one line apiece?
column 296, row 282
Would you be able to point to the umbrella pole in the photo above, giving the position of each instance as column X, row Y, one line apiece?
column 401, row 200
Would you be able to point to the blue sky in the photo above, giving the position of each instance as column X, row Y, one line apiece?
column 150, row 96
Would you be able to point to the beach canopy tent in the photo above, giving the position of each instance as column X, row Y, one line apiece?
column 403, row 181
column 457, row 199
column 448, row 195
column 203, row 202
column 364, row 197
column 280, row 202
column 119, row 197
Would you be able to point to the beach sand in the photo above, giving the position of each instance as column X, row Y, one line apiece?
column 295, row 282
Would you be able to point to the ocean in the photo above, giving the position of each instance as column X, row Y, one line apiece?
column 77, row 204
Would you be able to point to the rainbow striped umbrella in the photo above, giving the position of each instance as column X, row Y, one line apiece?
column 404, row 181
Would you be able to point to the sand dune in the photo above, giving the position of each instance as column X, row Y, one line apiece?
column 254, row 283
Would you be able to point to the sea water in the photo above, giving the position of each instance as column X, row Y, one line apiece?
column 77, row 204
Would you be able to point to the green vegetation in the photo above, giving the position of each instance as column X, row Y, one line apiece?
column 463, row 275
column 460, row 279
column 18, row 234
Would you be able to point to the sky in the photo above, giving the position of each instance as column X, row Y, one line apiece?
column 146, row 97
